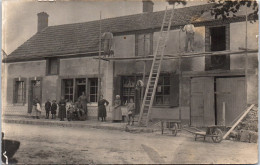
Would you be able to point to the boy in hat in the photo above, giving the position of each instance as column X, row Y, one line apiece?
column 54, row 107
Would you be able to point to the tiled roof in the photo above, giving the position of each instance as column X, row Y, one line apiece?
column 84, row 37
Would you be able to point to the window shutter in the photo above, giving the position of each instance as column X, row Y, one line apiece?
column 30, row 96
column 174, row 90
column 14, row 91
column 24, row 92
column 117, row 87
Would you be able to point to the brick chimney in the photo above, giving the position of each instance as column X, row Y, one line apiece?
column 147, row 6
column 42, row 21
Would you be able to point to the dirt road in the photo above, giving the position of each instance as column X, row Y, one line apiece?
column 45, row 144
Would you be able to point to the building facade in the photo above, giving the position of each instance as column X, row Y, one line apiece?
column 61, row 61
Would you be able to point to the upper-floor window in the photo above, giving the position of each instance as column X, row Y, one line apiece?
column 52, row 66
column 144, row 44
column 217, row 39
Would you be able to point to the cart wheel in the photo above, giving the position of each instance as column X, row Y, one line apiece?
column 219, row 137
column 175, row 129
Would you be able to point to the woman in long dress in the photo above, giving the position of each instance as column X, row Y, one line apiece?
column 102, row 112
column 117, row 112
column 35, row 112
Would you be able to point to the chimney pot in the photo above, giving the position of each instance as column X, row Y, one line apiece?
column 147, row 6
column 42, row 21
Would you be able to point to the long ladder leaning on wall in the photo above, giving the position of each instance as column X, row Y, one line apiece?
column 155, row 69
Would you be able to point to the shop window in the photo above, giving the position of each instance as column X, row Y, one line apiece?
column 52, row 66
column 128, row 89
column 68, row 89
column 19, row 92
column 93, row 89
column 162, row 96
column 144, row 44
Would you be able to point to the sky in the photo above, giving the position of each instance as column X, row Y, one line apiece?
column 19, row 17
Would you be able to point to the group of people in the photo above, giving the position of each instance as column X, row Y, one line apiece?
column 117, row 112
column 79, row 110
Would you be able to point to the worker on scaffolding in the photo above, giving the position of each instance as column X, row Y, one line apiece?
column 190, row 31
column 107, row 38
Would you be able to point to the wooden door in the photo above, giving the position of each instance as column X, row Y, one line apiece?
column 232, row 91
column 34, row 91
column 202, row 101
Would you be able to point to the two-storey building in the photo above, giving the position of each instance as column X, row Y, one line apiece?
column 61, row 60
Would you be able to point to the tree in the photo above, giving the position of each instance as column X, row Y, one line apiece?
column 225, row 9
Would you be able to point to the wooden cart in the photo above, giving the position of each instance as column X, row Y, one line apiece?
column 214, row 132
column 173, row 125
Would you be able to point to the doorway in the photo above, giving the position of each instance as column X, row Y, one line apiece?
column 202, row 101
column 35, row 90
column 80, row 87
column 231, row 94
column 210, row 95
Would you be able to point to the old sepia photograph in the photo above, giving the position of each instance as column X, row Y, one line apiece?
column 129, row 82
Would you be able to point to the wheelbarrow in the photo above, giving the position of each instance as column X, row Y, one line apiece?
column 214, row 132
column 173, row 125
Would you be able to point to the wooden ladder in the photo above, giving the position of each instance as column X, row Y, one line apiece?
column 155, row 69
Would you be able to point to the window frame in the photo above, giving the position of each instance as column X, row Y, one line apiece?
column 96, row 89
column 137, row 44
column 74, row 80
column 163, row 85
column 15, row 90
column 208, row 59
column 48, row 67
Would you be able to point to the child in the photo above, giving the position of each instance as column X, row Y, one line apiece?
column 70, row 112
column 54, row 107
column 131, row 109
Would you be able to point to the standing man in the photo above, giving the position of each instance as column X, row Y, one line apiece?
column 47, row 108
column 190, row 30
column 107, row 38
column 83, row 100
column 62, row 108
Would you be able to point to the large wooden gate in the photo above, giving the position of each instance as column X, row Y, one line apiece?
column 202, row 101
column 232, row 92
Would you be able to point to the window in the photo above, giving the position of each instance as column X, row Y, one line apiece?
column 217, row 39
column 19, row 92
column 93, row 89
column 144, row 44
column 68, row 86
column 128, row 89
column 52, row 66
column 162, row 96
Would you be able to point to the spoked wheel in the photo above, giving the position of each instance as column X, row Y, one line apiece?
column 218, row 136
column 175, row 129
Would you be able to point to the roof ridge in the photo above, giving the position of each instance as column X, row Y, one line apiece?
column 143, row 13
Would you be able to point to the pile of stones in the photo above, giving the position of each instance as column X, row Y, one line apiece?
column 247, row 129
